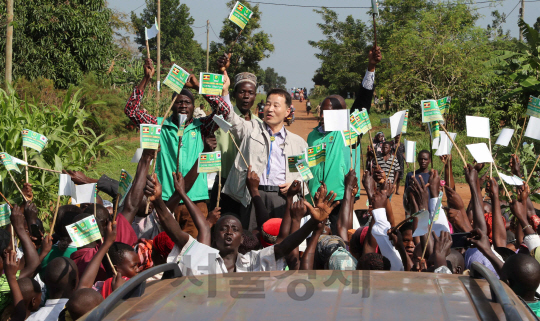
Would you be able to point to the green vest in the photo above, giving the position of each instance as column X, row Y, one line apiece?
column 337, row 164
column 192, row 145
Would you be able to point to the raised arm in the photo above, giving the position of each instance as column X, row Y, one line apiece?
column 196, row 215
column 31, row 256
column 471, row 176
column 364, row 96
column 345, row 216
column 261, row 213
column 498, row 229
column 11, row 265
column 448, row 174
column 135, row 195
column 380, row 231
column 89, row 275
column 132, row 109
column 169, row 224
column 481, row 241
column 189, row 181
column 286, row 223
column 308, row 258
column 319, row 214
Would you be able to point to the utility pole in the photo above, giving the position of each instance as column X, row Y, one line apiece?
column 207, row 45
column 521, row 12
column 9, row 42
column 158, row 52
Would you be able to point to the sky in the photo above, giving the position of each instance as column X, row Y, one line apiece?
column 292, row 27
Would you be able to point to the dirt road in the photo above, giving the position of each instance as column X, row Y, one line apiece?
column 304, row 124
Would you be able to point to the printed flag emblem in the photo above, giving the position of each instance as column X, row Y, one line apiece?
column 203, row 157
column 310, row 150
column 427, row 105
column 219, row 155
column 43, row 139
column 240, row 7
column 206, row 77
column 158, row 131
column 300, row 166
column 146, row 130
column 2, row 156
column 74, row 228
column 530, row 99
column 93, row 220
column 24, row 132
column 176, row 71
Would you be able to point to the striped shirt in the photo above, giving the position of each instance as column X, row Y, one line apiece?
column 386, row 164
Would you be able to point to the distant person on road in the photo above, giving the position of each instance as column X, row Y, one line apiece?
column 308, row 107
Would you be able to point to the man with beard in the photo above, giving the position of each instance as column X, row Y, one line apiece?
column 197, row 138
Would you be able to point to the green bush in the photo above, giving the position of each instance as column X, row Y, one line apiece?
column 72, row 144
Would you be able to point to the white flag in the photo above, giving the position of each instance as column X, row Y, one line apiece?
column 222, row 123
column 396, row 123
column 533, row 129
column 504, row 137
column 152, row 32
column 65, row 185
column 445, row 145
column 477, row 126
column 480, row 152
column 410, row 151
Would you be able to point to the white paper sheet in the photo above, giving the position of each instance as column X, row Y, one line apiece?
column 83, row 194
column 533, row 128
column 435, row 144
column 222, row 123
column 410, row 151
column 445, row 145
column 336, row 120
column 480, row 152
column 477, row 126
column 65, row 185
column 396, row 123
column 511, row 180
column 505, row 136
column 152, row 31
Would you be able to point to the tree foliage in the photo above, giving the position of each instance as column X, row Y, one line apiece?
column 251, row 47
column 270, row 79
column 176, row 34
column 342, row 52
column 59, row 40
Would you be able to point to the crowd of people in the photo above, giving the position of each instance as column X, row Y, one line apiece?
column 265, row 210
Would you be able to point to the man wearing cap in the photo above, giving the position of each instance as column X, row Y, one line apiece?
column 197, row 133
column 265, row 146
column 245, row 92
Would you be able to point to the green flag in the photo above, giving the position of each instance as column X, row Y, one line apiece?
column 84, row 231
column 533, row 108
column 240, row 15
column 124, row 185
column 316, row 154
column 304, row 170
column 211, row 84
column 209, row 162
column 150, row 135
column 430, row 111
column 176, row 78
column 33, row 140
column 295, row 159
column 5, row 213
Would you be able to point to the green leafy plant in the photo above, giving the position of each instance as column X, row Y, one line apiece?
column 72, row 144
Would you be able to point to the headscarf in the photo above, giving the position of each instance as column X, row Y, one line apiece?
column 143, row 248
column 341, row 259
column 163, row 244
column 326, row 246
column 270, row 232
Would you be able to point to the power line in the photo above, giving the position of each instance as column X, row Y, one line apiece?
column 517, row 4
column 199, row 27
column 213, row 31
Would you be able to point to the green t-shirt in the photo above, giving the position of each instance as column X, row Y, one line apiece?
column 5, row 292
column 166, row 164
column 337, row 164
column 53, row 254
column 535, row 307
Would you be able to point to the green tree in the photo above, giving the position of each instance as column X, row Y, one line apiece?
column 270, row 79
column 251, row 47
column 176, row 35
column 342, row 52
column 59, row 40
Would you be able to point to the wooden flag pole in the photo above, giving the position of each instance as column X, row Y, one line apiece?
column 25, row 154
column 229, row 55
column 147, row 49
column 453, row 142
column 12, row 237
column 5, row 199
column 110, row 262
column 45, row 169
column 350, row 148
column 374, row 32
column 219, row 189
column 373, row 146
column 13, row 179
column 427, row 241
column 116, row 207
column 490, row 164
column 55, row 214
column 502, row 181
column 238, row 148
column 521, row 136
column 532, row 171
column 155, row 154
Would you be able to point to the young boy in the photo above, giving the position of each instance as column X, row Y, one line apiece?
column 126, row 263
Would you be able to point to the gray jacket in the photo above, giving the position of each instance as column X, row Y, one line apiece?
column 255, row 148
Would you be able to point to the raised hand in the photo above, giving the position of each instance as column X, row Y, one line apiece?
column 369, row 184
column 298, row 210
column 421, row 192
column 152, row 189
column 46, row 244
column 192, row 82
column 117, row 281
column 11, row 264
column 110, row 233
column 79, row 178
column 30, row 212
column 380, row 198
column 213, row 216
column 323, row 207
column 434, row 183
column 351, row 183
column 27, row 191
column 374, row 56
column 453, row 199
column 492, row 188
column 515, row 165
column 224, row 62
column 471, row 175
column 252, row 182
column 148, row 68
column 294, row 189
column 17, row 219
column 480, row 241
